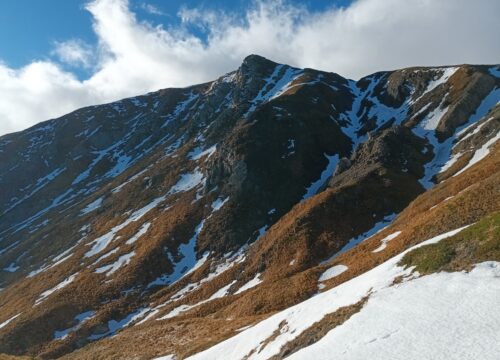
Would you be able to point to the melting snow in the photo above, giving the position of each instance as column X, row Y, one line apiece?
column 6, row 322
column 278, row 86
column 11, row 246
column 445, row 75
column 112, row 268
column 385, row 240
column 59, row 286
column 108, row 254
column 381, row 225
column 167, row 357
column 315, row 186
column 431, row 121
column 40, row 183
column 181, row 107
column 187, row 264
column 92, row 206
column 442, row 151
column 222, row 291
column 177, row 311
column 475, row 131
column 198, row 152
column 11, row 268
column 187, row 182
column 495, row 71
column 122, row 162
column 143, row 230
column 114, row 325
column 219, row 203
column 332, row 272
column 252, row 283
column 480, row 153
column 103, row 241
column 229, row 262
column 120, row 187
column 262, row 231
column 80, row 318
column 184, row 307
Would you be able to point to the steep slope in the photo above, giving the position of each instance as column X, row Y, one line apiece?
column 409, row 306
column 186, row 214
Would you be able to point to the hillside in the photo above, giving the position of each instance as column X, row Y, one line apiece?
column 273, row 212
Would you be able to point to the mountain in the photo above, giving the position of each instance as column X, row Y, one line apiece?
column 273, row 212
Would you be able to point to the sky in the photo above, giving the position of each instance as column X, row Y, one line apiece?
column 60, row 55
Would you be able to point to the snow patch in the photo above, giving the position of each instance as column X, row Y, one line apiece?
column 252, row 283
column 332, row 272
column 385, row 240
column 11, row 268
column 142, row 231
column 80, row 318
column 59, row 286
column 495, row 71
column 112, row 268
column 6, row 322
column 103, row 241
column 115, row 325
column 187, row 264
column 92, row 206
column 198, row 153
column 187, row 182
column 315, row 186
column 445, row 75
column 219, row 203
column 480, row 153
column 378, row 227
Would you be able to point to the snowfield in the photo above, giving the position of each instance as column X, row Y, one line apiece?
column 439, row 316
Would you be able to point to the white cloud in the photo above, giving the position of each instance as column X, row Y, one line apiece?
column 150, row 8
column 73, row 52
column 134, row 57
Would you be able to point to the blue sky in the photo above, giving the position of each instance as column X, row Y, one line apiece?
column 29, row 28
column 59, row 55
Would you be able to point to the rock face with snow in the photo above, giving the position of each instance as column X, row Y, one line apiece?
column 178, row 219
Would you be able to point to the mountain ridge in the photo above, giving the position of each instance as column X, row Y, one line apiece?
column 222, row 200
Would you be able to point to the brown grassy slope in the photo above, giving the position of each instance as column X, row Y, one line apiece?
column 476, row 193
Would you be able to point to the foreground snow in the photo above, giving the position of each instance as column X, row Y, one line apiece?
column 443, row 315
column 440, row 316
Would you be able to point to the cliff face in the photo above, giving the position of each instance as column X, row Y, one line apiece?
column 189, row 213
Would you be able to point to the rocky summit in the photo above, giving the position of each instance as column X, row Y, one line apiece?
column 273, row 213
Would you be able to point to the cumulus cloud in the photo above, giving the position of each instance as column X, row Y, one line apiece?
column 73, row 52
column 133, row 56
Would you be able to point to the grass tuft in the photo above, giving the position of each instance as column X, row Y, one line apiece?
column 479, row 242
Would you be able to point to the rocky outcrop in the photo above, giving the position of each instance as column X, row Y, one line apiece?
column 394, row 149
column 468, row 89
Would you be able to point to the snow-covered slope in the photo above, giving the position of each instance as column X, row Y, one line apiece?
column 438, row 316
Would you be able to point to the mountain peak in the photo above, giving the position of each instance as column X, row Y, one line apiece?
column 255, row 59
column 256, row 64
